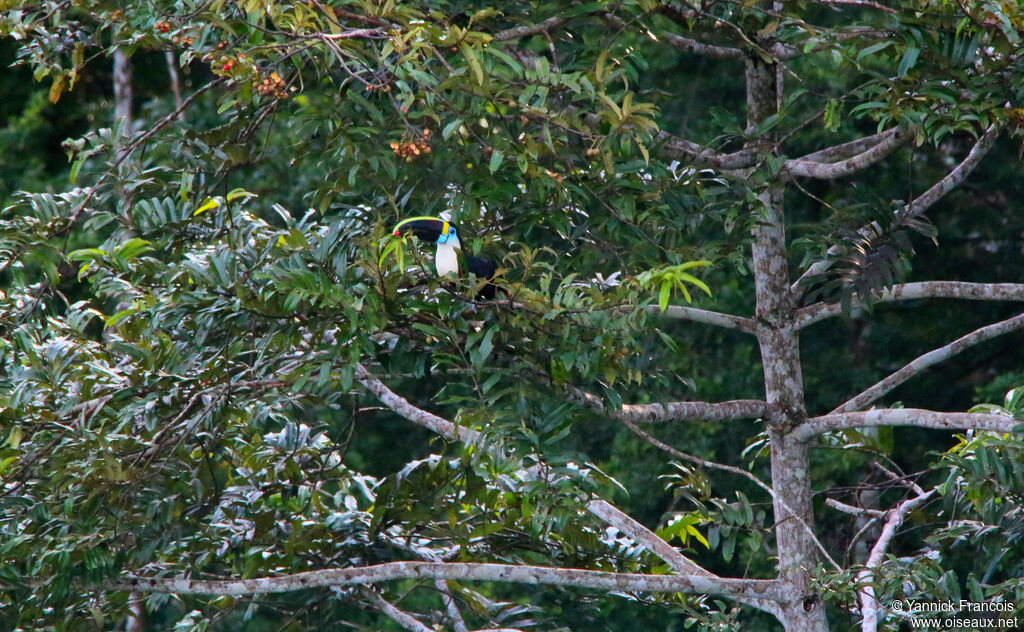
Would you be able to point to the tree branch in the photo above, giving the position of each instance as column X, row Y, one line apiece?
column 683, row 456
column 905, row 481
column 400, row 617
column 599, row 508
column 868, row 601
column 925, row 289
column 519, row 574
column 527, row 29
column 674, row 411
column 613, row 516
column 681, row 149
column 917, row 417
column 700, row 48
column 685, row 43
column 955, row 177
column 452, row 608
column 919, row 364
column 693, row 314
column 952, row 180
column 850, row 509
column 418, row 416
column 786, row 52
column 831, row 170
column 846, row 150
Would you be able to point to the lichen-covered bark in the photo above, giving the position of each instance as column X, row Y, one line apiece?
column 522, row 574
column 783, row 381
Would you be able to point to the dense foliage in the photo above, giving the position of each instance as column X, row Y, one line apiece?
column 188, row 298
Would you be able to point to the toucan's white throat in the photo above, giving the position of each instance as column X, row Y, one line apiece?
column 446, row 259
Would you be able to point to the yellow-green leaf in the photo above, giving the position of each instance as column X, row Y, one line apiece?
column 207, row 205
column 473, row 61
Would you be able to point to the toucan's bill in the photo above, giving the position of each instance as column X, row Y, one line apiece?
column 429, row 229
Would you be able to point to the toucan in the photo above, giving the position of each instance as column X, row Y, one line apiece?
column 446, row 260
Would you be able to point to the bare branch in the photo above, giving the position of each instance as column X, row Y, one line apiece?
column 452, row 608
column 700, row 48
column 599, row 508
column 693, row 314
column 527, row 29
column 919, row 364
column 832, row 170
column 172, row 74
column 786, row 52
column 420, row 417
column 519, row 574
column 905, row 481
column 924, row 289
column 674, row 411
column 685, row 43
column 846, row 150
column 613, row 516
column 850, row 509
column 868, row 601
column 681, row 149
column 352, row 34
column 955, row 177
column 917, row 417
column 679, row 454
column 952, row 180
column 400, row 617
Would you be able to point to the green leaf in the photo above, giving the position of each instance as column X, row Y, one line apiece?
column 496, row 158
column 692, row 280
column 132, row 248
column 113, row 321
column 908, row 61
column 236, row 194
column 86, row 254
column 473, row 61
column 693, row 531
column 207, row 205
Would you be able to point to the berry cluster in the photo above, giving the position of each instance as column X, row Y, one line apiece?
column 271, row 86
column 411, row 148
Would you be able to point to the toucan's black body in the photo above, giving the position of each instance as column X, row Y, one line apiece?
column 446, row 236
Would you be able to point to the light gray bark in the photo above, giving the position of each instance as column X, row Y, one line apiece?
column 682, row 149
column 923, row 289
column 520, row 574
column 868, row 602
column 904, row 417
column 921, row 363
column 846, row 150
column 693, row 314
column 527, row 29
column 397, row 615
column 780, row 356
column 849, row 166
column 936, row 192
column 123, row 91
column 674, row 411
column 601, row 509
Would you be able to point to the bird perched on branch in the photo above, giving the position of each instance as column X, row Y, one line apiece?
column 449, row 251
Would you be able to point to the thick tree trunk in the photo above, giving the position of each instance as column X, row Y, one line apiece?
column 780, row 354
column 123, row 91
